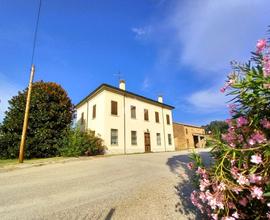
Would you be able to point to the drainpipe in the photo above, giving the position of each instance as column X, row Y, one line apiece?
column 87, row 103
column 164, row 130
column 125, row 151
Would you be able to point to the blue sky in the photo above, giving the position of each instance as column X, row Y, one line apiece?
column 180, row 49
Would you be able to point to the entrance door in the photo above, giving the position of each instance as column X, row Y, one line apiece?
column 147, row 142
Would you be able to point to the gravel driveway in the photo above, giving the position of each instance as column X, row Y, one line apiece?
column 139, row 186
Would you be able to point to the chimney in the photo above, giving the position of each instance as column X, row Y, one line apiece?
column 122, row 84
column 160, row 99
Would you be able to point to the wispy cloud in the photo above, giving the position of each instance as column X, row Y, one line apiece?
column 7, row 90
column 209, row 34
column 145, row 83
column 207, row 101
column 141, row 32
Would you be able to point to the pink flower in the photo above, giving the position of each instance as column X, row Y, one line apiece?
column 243, row 201
column 261, row 44
column 221, row 186
column 202, row 172
column 223, row 89
column 266, row 85
column 257, row 159
column 266, row 66
column 234, row 172
column 232, row 109
column 202, row 196
column 265, row 123
column 214, row 216
column 257, row 137
column 237, row 190
column 203, row 184
column 228, row 218
column 235, row 215
column 193, row 198
column 242, row 180
column 190, row 165
column 256, row 192
column 254, row 179
column 241, row 121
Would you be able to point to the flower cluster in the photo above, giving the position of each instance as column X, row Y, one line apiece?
column 237, row 186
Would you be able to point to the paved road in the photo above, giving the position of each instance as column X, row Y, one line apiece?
column 138, row 186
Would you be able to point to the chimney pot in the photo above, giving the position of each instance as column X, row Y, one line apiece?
column 160, row 99
column 122, row 84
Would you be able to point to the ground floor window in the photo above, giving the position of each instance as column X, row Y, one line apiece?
column 158, row 139
column 133, row 137
column 170, row 139
column 114, row 136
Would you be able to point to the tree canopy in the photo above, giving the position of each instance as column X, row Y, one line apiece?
column 51, row 113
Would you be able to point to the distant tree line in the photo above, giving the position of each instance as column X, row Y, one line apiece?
column 216, row 127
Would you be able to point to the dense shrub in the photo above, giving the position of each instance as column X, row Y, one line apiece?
column 237, row 185
column 81, row 143
column 51, row 113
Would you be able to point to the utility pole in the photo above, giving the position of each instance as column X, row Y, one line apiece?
column 26, row 115
column 27, row 107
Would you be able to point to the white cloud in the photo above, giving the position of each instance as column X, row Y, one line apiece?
column 141, row 32
column 7, row 90
column 208, row 101
column 146, row 83
column 207, row 35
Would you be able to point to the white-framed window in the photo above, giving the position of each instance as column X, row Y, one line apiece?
column 133, row 111
column 158, row 139
column 133, row 137
column 170, row 139
column 114, row 136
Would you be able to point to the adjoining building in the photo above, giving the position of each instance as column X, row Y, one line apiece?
column 188, row 136
column 127, row 122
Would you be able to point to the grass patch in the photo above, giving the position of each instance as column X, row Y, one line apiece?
column 8, row 162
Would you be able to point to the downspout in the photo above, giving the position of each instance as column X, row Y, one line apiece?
column 125, row 124
column 164, row 130
column 87, row 115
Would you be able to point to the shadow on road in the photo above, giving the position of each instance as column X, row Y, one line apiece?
column 110, row 214
column 178, row 165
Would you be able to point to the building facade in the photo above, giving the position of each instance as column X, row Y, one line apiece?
column 188, row 136
column 127, row 122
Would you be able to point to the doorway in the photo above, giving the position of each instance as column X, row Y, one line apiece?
column 147, row 143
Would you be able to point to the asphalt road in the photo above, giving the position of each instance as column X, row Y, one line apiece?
column 139, row 186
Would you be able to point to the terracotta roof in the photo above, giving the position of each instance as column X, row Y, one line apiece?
column 124, row 92
column 195, row 126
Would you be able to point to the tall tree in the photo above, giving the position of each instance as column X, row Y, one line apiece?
column 51, row 113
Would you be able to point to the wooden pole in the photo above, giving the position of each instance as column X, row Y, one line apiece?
column 26, row 115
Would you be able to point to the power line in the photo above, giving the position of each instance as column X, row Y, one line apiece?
column 28, row 99
column 35, row 33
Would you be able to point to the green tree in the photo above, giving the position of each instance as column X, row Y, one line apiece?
column 51, row 114
column 216, row 127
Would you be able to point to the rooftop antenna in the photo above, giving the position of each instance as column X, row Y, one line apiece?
column 27, row 107
column 119, row 75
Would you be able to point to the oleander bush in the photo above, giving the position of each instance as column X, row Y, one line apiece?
column 237, row 184
column 80, row 143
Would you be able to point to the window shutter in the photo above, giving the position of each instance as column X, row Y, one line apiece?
column 157, row 117
column 113, row 107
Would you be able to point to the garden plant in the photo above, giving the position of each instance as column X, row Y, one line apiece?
column 237, row 184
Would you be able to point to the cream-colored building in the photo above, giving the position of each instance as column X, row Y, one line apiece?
column 188, row 136
column 127, row 122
